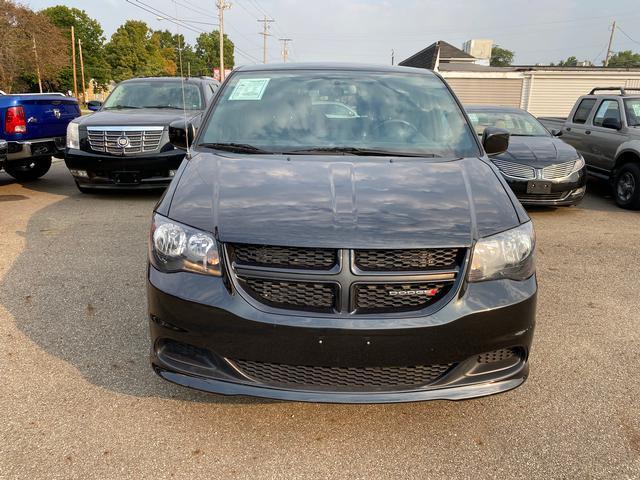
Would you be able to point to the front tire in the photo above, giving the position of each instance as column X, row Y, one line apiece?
column 29, row 169
column 626, row 186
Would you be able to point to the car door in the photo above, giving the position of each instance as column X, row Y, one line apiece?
column 604, row 140
column 573, row 131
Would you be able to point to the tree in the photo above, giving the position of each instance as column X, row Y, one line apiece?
column 569, row 62
column 625, row 59
column 501, row 57
column 90, row 33
column 132, row 52
column 208, row 49
column 20, row 27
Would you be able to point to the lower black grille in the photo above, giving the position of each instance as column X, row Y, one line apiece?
column 389, row 297
column 531, row 197
column 293, row 295
column 497, row 355
column 284, row 257
column 406, row 260
column 342, row 378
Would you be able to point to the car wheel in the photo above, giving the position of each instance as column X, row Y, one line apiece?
column 28, row 170
column 626, row 187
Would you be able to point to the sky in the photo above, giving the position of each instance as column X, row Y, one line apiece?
column 366, row 31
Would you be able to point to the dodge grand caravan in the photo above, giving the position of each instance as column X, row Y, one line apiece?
column 377, row 256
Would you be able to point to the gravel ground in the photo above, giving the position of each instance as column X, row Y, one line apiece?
column 78, row 399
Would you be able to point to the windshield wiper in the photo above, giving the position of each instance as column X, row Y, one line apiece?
column 163, row 106
column 358, row 151
column 235, row 147
column 120, row 107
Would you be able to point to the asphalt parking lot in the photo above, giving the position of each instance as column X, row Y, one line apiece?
column 78, row 398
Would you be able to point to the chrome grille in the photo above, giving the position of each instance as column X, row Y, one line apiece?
column 516, row 170
column 342, row 378
column 559, row 170
column 136, row 139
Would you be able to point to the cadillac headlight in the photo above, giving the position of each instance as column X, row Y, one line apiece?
column 509, row 254
column 178, row 248
column 73, row 136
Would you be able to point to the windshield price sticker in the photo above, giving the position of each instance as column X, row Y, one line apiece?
column 249, row 89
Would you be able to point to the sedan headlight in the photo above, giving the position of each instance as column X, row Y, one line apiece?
column 508, row 254
column 73, row 136
column 579, row 165
column 178, row 248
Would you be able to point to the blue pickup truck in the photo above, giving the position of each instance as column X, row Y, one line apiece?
column 34, row 127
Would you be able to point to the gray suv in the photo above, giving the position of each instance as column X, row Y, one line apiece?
column 605, row 129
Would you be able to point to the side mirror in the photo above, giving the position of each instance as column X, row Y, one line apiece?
column 613, row 123
column 556, row 133
column 495, row 140
column 94, row 105
column 181, row 134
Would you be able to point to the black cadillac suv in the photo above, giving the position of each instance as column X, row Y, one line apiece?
column 125, row 143
column 367, row 253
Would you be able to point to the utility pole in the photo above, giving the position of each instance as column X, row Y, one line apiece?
column 265, row 33
column 222, row 6
column 285, row 48
column 613, row 30
column 35, row 52
column 84, row 90
column 73, row 54
column 393, row 57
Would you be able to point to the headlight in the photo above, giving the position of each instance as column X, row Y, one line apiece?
column 73, row 136
column 508, row 254
column 175, row 247
column 579, row 165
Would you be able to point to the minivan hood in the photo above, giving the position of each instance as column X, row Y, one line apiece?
column 538, row 152
column 342, row 201
column 135, row 117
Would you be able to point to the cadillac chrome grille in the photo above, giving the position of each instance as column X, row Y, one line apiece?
column 406, row 260
column 559, row 170
column 342, row 281
column 125, row 140
column 342, row 378
column 516, row 170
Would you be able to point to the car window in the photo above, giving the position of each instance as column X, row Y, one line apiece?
column 583, row 110
column 632, row 106
column 608, row 109
column 315, row 109
column 155, row 94
column 516, row 123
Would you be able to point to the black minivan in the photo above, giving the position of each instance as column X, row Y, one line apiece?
column 367, row 252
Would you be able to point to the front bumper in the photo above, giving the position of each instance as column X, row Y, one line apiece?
column 215, row 331
column 23, row 149
column 564, row 191
column 100, row 171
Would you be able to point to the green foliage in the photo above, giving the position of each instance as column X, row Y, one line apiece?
column 90, row 33
column 133, row 51
column 569, row 62
column 625, row 59
column 501, row 57
column 208, row 49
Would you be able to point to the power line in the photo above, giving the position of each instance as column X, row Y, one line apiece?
column 626, row 35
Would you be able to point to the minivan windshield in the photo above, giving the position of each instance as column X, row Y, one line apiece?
column 154, row 94
column 349, row 112
column 516, row 123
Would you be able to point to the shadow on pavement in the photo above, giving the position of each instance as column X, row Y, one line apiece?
column 78, row 288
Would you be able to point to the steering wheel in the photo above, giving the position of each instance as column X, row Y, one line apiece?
column 397, row 128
